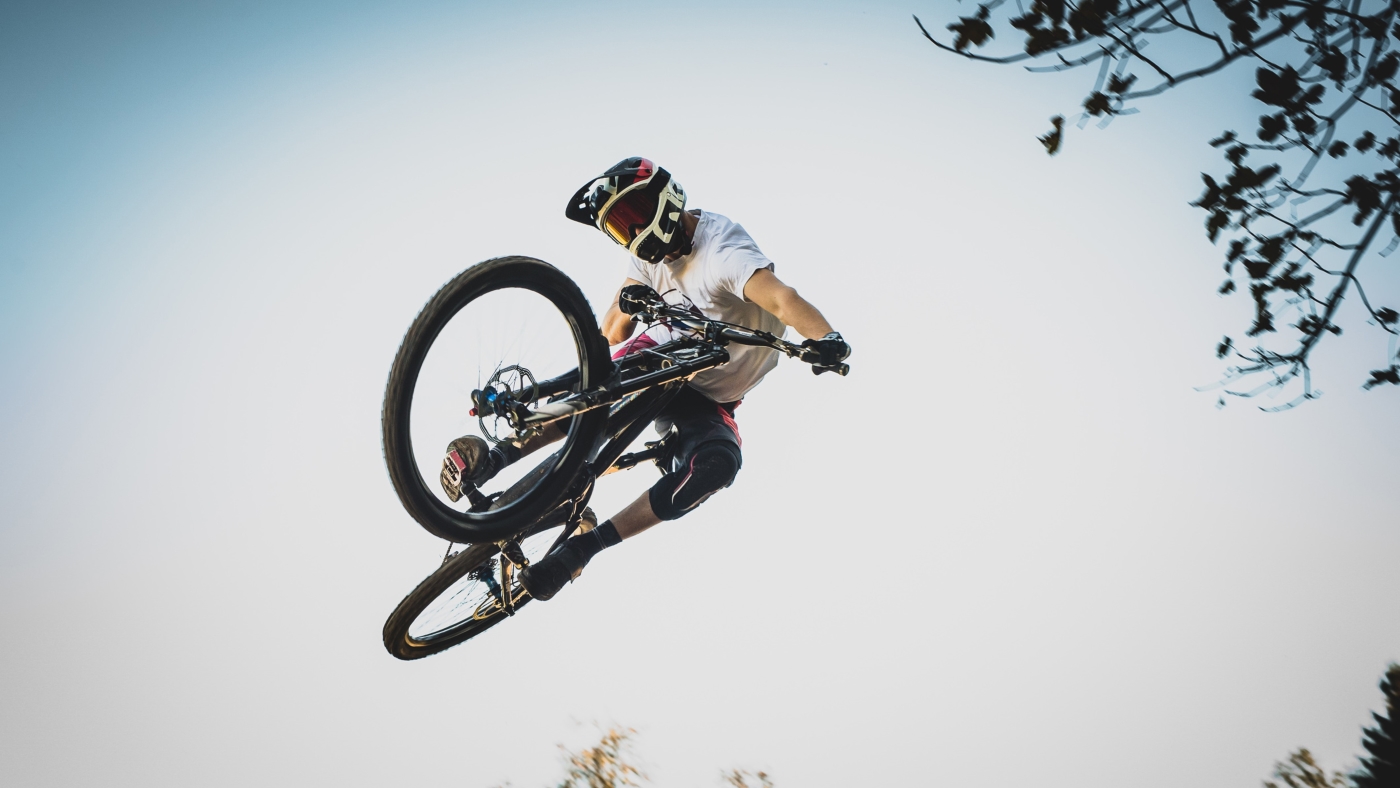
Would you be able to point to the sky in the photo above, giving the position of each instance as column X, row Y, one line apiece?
column 1014, row 545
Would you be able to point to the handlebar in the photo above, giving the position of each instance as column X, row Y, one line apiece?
column 654, row 309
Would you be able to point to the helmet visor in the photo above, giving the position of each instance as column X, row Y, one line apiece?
column 629, row 215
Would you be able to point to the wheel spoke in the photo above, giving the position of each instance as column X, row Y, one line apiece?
column 476, row 596
column 506, row 340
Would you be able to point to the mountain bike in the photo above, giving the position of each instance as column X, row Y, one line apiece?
column 510, row 349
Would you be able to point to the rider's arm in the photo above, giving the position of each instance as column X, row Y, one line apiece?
column 617, row 327
column 768, row 291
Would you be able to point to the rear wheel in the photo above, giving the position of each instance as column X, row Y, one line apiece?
column 509, row 324
column 462, row 598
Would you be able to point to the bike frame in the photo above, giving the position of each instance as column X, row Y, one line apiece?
column 641, row 386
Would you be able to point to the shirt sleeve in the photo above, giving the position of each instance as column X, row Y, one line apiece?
column 636, row 269
column 737, row 264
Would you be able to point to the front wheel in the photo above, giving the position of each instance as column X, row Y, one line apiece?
column 510, row 324
column 463, row 597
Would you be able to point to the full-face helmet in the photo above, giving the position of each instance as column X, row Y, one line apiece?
column 638, row 205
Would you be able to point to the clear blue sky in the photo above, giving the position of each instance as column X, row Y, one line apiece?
column 1025, row 551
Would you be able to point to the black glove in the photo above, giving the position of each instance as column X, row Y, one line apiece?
column 828, row 351
column 635, row 298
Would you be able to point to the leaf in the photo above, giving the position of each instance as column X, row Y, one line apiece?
column 1215, row 224
column 1380, row 376
column 1365, row 142
column 1364, row 194
column 1291, row 281
column 1098, row 104
column 1312, row 324
column 1338, row 149
column 1387, row 316
column 1227, row 288
column 1236, row 154
column 1224, row 139
column 1270, row 126
column 1247, row 178
column 1223, row 349
column 1086, row 19
column 1277, row 88
column 1258, row 269
column 972, row 30
column 1051, row 141
column 1242, row 30
column 1271, row 248
column 1028, row 21
column 1119, row 85
column 1043, row 39
column 1334, row 63
column 1374, row 25
column 1385, row 70
column 1212, row 195
column 1263, row 318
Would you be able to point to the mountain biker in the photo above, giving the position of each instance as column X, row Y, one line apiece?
column 703, row 262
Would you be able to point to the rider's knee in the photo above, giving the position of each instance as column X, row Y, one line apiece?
column 712, row 467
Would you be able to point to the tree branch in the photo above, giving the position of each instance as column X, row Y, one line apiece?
column 1339, row 292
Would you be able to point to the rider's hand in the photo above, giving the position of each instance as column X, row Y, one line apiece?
column 635, row 298
column 828, row 351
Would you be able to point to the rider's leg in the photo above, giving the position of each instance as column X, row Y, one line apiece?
column 635, row 517
column 717, row 473
column 710, row 468
column 474, row 460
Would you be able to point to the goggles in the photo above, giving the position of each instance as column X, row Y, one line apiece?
column 629, row 214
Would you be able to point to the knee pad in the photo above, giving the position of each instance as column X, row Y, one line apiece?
column 712, row 467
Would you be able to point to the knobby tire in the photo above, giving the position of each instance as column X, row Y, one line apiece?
column 502, row 521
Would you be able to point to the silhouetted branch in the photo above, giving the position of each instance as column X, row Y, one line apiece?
column 1318, row 60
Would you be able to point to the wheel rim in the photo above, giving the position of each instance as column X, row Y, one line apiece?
column 507, row 339
column 473, row 600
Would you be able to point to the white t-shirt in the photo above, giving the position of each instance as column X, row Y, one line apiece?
column 711, row 278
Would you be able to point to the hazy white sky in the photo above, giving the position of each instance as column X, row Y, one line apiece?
column 1012, row 547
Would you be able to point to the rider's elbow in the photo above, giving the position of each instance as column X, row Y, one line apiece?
column 617, row 327
column 786, row 304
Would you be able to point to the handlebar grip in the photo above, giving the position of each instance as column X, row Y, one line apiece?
column 840, row 369
column 634, row 299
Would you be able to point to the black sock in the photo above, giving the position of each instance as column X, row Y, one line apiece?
column 595, row 541
column 501, row 455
